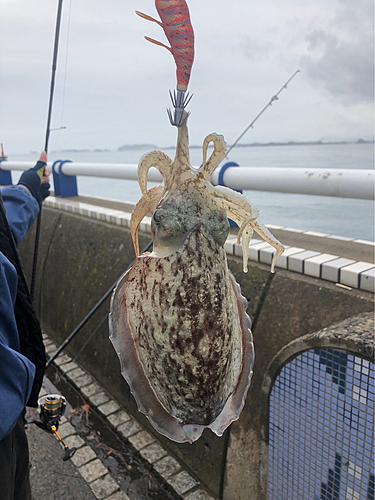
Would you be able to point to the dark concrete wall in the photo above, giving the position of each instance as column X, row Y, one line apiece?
column 81, row 258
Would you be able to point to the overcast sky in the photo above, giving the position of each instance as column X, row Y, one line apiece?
column 112, row 85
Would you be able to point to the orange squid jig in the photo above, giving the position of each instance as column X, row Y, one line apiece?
column 175, row 21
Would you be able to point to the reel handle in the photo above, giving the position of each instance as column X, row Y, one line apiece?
column 69, row 452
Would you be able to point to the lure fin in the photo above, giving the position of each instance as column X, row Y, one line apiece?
column 158, row 43
column 148, row 18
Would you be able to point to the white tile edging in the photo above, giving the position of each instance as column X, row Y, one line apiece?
column 358, row 276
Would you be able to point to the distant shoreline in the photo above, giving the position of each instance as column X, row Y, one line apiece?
column 292, row 143
column 150, row 147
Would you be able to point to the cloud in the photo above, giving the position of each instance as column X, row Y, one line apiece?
column 341, row 58
column 112, row 86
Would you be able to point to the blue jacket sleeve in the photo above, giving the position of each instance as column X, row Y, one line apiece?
column 16, row 371
column 21, row 208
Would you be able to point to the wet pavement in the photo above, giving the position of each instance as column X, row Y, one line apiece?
column 52, row 478
column 116, row 458
column 104, row 466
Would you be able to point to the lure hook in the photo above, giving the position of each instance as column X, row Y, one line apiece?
column 180, row 100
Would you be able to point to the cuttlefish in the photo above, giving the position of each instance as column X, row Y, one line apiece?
column 178, row 320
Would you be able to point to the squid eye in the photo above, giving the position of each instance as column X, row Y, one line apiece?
column 159, row 215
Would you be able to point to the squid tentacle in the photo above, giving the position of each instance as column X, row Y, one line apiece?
column 240, row 211
column 234, row 197
column 161, row 162
column 220, row 149
column 261, row 229
column 142, row 208
column 245, row 215
column 247, row 234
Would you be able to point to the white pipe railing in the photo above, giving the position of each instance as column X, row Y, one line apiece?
column 342, row 183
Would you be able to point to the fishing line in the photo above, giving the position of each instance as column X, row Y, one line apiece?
column 65, row 75
column 262, row 300
column 273, row 99
column 92, row 335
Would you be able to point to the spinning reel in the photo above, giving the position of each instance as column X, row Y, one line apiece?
column 52, row 408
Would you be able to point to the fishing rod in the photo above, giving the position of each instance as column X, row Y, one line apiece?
column 273, row 99
column 48, row 130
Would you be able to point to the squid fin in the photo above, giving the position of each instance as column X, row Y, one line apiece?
column 148, row 18
column 158, row 43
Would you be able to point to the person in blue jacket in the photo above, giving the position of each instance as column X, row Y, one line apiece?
column 20, row 359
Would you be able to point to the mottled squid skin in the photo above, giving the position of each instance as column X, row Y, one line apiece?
column 178, row 320
column 193, row 359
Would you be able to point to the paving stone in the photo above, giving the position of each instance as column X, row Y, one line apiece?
column 315, row 233
column 365, row 242
column 129, row 428
column 199, row 495
column 51, row 348
column 66, row 430
column 92, row 471
column 118, row 418
column 141, row 439
column 91, row 389
column 83, row 381
column 120, row 495
column 167, row 466
column 293, row 230
column 182, row 482
column 229, row 245
column 62, row 360
column 123, row 220
column 108, row 408
column 74, row 441
column 266, row 255
column 83, row 455
column 282, row 261
column 104, row 486
column 340, row 238
column 313, row 266
column 74, row 374
column 331, row 269
column 367, row 280
column 349, row 275
column 99, row 399
column 238, row 248
column 69, row 367
column 145, row 225
column 42, row 393
column 153, row 453
column 254, row 250
column 296, row 262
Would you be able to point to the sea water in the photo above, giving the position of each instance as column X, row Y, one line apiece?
column 337, row 216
